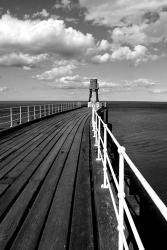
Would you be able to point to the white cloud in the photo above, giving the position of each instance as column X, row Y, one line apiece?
column 79, row 82
column 42, row 36
column 133, row 35
column 138, row 54
column 70, row 82
column 26, row 68
column 56, row 72
column 131, row 22
column 126, row 53
column 159, row 91
column 3, row 89
column 141, row 82
column 20, row 59
column 119, row 12
column 104, row 45
column 43, row 13
column 102, row 58
column 107, row 85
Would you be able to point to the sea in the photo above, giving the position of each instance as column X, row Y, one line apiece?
column 141, row 127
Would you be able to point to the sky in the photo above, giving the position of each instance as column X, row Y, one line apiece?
column 49, row 50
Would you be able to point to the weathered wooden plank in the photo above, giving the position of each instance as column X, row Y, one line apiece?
column 18, row 210
column 60, row 212
column 19, row 141
column 38, row 214
column 20, row 157
column 21, row 181
column 6, row 139
column 81, row 235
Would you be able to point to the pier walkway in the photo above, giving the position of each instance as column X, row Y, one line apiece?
column 47, row 193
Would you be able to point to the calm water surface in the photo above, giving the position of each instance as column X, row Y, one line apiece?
column 142, row 129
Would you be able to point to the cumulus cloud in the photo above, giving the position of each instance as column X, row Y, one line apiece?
column 132, row 35
column 21, row 59
column 138, row 54
column 126, row 53
column 42, row 36
column 56, row 72
column 70, row 82
column 131, row 22
column 104, row 45
column 119, row 12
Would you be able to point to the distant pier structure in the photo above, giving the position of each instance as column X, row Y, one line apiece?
column 93, row 93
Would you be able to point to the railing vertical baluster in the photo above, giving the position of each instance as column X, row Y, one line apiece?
column 98, row 142
column 20, row 114
column 49, row 108
column 121, row 195
column 28, row 113
column 11, row 118
column 52, row 109
column 96, row 131
column 34, row 112
column 105, row 185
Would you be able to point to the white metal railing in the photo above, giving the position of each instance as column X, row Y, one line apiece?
column 12, row 116
column 101, row 137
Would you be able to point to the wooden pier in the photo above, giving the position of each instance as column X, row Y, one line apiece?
column 50, row 187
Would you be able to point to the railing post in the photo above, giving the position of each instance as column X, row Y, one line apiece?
column 93, row 121
column 28, row 113
column 11, row 118
column 20, row 114
column 98, row 142
column 44, row 110
column 34, row 112
column 96, row 130
column 40, row 115
column 105, row 185
column 49, row 108
column 121, row 195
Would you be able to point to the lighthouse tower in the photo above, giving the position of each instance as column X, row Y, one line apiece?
column 93, row 93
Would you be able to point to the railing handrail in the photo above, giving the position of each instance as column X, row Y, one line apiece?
column 97, row 122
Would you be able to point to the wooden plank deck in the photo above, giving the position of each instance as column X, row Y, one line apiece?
column 46, row 189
